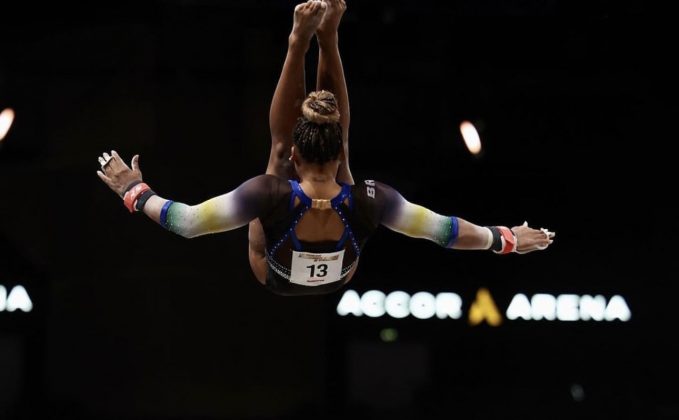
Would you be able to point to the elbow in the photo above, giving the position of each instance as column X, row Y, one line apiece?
column 191, row 233
column 183, row 231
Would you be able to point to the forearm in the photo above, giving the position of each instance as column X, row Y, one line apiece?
column 153, row 207
column 472, row 236
column 331, row 76
column 290, row 92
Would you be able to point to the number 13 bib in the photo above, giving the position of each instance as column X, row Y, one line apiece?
column 309, row 269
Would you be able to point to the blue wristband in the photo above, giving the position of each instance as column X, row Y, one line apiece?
column 163, row 213
column 454, row 231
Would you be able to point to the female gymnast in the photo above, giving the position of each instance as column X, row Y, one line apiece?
column 308, row 221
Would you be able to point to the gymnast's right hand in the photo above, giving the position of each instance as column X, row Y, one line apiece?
column 116, row 174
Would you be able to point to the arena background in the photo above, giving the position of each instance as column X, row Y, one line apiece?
column 576, row 106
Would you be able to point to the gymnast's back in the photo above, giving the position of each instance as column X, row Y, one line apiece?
column 313, row 246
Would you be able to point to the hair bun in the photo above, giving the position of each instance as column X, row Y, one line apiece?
column 321, row 108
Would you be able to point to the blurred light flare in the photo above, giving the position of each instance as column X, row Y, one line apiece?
column 471, row 137
column 577, row 392
column 6, row 120
column 389, row 335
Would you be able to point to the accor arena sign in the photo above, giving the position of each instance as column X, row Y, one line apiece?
column 540, row 306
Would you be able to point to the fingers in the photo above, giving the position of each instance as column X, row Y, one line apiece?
column 544, row 243
column 533, row 239
column 117, row 163
column 105, row 161
column 113, row 165
column 544, row 239
column 548, row 233
column 318, row 7
column 337, row 3
column 542, row 231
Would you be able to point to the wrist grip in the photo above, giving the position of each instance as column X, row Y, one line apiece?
column 133, row 193
column 504, row 240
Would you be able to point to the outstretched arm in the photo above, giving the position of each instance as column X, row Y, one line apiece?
column 413, row 220
column 225, row 212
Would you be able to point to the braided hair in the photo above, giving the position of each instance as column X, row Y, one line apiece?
column 318, row 133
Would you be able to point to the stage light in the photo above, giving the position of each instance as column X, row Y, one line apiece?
column 6, row 120
column 471, row 137
column 389, row 335
column 577, row 392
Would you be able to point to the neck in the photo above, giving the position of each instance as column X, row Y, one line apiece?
column 317, row 174
column 318, row 181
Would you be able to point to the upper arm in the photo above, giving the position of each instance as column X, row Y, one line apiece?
column 400, row 215
column 229, row 211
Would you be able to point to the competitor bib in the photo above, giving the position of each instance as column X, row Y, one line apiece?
column 310, row 269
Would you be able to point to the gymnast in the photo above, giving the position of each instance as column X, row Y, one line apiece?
column 308, row 220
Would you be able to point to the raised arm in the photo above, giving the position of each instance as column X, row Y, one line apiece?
column 413, row 220
column 225, row 212
column 330, row 75
column 286, row 105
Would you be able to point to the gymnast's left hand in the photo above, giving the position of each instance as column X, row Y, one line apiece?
column 530, row 239
column 116, row 174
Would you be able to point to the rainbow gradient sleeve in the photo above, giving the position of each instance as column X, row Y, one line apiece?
column 413, row 220
column 225, row 212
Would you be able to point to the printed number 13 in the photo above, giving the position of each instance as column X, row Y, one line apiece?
column 322, row 268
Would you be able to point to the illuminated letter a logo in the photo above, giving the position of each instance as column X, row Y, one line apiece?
column 484, row 308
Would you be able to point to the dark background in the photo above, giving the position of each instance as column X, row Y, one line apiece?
column 575, row 105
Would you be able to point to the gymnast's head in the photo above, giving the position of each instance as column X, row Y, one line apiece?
column 317, row 137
